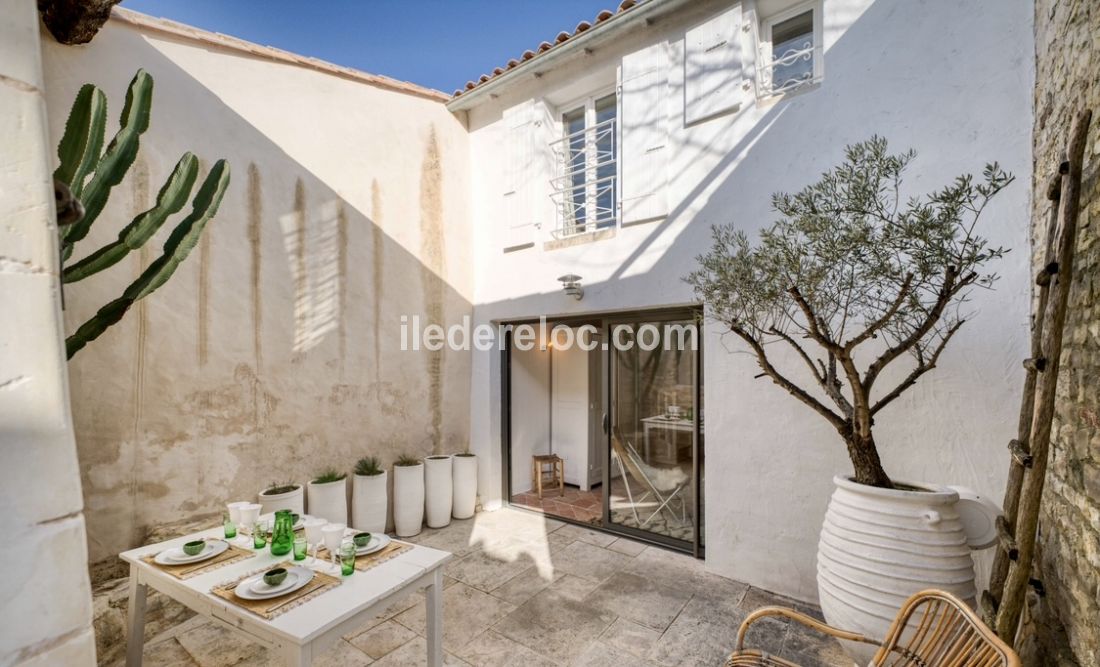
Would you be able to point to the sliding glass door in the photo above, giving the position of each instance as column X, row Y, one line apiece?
column 654, row 451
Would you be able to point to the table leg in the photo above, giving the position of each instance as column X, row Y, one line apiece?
column 435, row 619
column 298, row 656
column 135, row 617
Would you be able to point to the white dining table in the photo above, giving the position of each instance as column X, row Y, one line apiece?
column 305, row 631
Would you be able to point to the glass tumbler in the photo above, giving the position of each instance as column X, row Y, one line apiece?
column 347, row 558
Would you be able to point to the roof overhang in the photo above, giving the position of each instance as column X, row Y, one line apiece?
column 643, row 14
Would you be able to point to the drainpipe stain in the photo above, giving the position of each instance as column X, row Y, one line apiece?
column 255, row 238
column 378, row 262
column 431, row 276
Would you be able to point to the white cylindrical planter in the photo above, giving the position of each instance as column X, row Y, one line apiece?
column 439, row 489
column 329, row 500
column 879, row 546
column 465, row 486
column 295, row 501
column 408, row 499
column 368, row 502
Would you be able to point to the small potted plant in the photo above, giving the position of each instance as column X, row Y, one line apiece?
column 283, row 496
column 438, row 487
column 408, row 495
column 368, row 496
column 464, row 469
column 328, row 496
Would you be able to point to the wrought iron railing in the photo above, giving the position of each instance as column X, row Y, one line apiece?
column 586, row 187
column 795, row 68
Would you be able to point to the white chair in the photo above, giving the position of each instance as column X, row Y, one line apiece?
column 665, row 483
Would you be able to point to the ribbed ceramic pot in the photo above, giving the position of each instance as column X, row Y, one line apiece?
column 439, row 487
column 879, row 546
column 329, row 500
column 295, row 501
column 369, row 502
column 408, row 499
column 465, row 486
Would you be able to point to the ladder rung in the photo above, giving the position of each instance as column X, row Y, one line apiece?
column 1038, row 364
column 1020, row 453
column 1006, row 540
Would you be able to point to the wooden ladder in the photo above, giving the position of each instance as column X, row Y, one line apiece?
column 1003, row 602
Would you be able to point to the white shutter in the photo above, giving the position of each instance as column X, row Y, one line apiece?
column 644, row 168
column 526, row 173
column 712, row 67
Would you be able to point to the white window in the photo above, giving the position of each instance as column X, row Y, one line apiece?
column 791, row 49
column 586, row 186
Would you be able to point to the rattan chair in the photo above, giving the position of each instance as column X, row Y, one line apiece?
column 933, row 629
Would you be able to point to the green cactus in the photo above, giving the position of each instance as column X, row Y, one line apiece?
column 90, row 177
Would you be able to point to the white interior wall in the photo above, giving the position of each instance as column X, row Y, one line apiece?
column 530, row 402
column 963, row 101
column 569, row 412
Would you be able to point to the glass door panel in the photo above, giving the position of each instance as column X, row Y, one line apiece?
column 653, row 458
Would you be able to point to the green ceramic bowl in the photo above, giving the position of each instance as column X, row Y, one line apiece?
column 275, row 577
column 361, row 539
column 194, row 548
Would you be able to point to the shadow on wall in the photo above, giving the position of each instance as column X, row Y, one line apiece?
column 274, row 351
column 872, row 85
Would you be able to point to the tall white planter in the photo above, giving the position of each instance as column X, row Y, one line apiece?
column 369, row 502
column 879, row 546
column 295, row 501
column 408, row 499
column 329, row 500
column 439, row 489
column 465, row 486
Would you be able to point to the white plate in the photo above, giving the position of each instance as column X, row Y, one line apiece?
column 261, row 587
column 175, row 555
column 245, row 592
column 377, row 543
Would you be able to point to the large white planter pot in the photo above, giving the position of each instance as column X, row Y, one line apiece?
column 440, row 490
column 879, row 546
column 329, row 501
column 295, row 501
column 408, row 499
column 368, row 502
column 465, row 486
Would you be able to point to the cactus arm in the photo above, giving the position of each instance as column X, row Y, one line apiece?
column 171, row 198
column 82, row 142
column 182, row 240
column 118, row 157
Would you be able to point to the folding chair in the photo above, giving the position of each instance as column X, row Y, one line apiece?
column 665, row 484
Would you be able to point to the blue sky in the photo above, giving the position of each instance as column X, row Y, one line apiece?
column 436, row 43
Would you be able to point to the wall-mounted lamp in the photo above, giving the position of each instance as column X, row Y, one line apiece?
column 571, row 283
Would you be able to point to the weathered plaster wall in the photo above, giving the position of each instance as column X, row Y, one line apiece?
column 950, row 80
column 274, row 350
column 41, row 504
column 1064, row 625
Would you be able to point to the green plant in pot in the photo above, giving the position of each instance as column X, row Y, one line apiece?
column 370, row 495
column 845, row 302
column 328, row 495
column 283, row 495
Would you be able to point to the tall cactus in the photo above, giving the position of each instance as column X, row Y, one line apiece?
column 90, row 176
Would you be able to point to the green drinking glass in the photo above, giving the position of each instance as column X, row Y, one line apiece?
column 347, row 558
column 300, row 547
column 259, row 535
column 282, row 536
column 229, row 526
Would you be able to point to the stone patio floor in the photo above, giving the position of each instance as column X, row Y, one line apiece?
column 528, row 590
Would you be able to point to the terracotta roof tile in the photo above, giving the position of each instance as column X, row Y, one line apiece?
column 561, row 38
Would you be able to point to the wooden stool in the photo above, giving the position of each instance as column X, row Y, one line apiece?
column 556, row 470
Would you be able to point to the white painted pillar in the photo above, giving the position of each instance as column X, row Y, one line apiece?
column 45, row 591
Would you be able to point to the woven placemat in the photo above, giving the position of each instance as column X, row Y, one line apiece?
column 231, row 555
column 366, row 562
column 276, row 606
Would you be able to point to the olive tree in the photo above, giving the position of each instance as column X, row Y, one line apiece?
column 853, row 276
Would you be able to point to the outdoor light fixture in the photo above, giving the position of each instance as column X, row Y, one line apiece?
column 571, row 283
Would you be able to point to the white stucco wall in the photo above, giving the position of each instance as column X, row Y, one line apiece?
column 951, row 80
column 44, row 542
column 205, row 392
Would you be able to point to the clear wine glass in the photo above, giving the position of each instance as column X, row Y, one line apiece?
column 334, row 535
column 314, row 535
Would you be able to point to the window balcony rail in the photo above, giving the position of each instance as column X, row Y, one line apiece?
column 585, row 190
column 794, row 68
